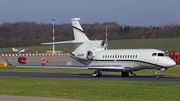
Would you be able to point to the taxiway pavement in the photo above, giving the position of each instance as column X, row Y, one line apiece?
column 89, row 76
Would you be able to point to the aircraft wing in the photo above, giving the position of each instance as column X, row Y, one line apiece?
column 113, row 67
column 54, row 66
column 105, row 67
column 61, row 42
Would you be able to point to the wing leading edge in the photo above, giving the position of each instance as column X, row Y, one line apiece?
column 72, row 66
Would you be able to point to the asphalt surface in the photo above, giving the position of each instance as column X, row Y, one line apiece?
column 89, row 76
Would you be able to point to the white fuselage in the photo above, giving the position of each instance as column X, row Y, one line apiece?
column 128, row 59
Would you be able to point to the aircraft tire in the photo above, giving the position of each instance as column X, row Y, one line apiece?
column 99, row 74
column 125, row 74
column 157, row 77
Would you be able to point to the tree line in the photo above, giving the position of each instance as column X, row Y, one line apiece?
column 21, row 34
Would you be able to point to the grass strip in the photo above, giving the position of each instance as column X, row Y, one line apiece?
column 159, row 43
column 89, row 89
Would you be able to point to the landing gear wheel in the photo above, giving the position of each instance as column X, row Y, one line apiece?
column 157, row 77
column 125, row 74
column 97, row 73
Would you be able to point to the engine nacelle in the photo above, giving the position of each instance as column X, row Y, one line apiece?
column 98, row 44
column 104, row 44
column 88, row 55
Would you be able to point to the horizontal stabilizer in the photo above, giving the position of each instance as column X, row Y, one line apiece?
column 62, row 42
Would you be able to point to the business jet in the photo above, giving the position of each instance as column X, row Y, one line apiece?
column 19, row 50
column 93, row 54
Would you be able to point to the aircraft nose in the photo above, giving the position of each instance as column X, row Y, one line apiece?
column 172, row 63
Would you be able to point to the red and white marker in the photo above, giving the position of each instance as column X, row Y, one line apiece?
column 53, row 36
column 34, row 54
column 106, row 34
column 43, row 60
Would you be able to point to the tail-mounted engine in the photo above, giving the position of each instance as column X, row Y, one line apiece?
column 87, row 55
column 104, row 44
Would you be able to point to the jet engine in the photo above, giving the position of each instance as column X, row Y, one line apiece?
column 88, row 55
column 104, row 44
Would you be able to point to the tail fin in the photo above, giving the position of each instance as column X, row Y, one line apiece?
column 14, row 49
column 79, row 34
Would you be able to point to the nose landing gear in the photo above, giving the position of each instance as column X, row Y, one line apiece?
column 157, row 72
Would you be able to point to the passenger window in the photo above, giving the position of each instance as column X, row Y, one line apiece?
column 161, row 54
column 154, row 54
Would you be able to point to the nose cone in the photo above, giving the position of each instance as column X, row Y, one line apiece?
column 171, row 63
column 166, row 62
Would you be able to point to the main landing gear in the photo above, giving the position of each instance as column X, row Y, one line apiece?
column 133, row 73
column 126, row 74
column 97, row 73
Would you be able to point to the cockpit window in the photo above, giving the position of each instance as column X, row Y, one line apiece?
column 161, row 54
column 166, row 54
column 154, row 54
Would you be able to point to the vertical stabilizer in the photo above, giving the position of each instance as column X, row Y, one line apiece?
column 14, row 49
column 79, row 34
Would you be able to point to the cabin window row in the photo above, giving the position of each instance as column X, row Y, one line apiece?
column 119, row 56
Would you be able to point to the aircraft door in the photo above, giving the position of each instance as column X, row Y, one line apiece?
column 156, row 59
column 160, row 58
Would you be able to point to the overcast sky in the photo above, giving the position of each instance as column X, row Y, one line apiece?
column 130, row 12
